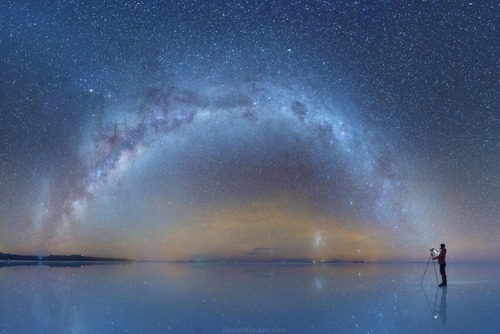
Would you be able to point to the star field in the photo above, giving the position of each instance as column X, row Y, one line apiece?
column 250, row 129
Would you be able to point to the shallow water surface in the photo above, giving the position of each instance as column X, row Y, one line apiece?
column 248, row 298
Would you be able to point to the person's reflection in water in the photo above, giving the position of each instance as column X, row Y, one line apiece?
column 443, row 315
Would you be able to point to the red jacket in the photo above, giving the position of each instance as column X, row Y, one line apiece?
column 441, row 256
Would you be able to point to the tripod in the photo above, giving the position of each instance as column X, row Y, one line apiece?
column 435, row 272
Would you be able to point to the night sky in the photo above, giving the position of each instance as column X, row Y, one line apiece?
column 175, row 130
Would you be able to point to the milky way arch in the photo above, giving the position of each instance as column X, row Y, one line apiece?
column 362, row 168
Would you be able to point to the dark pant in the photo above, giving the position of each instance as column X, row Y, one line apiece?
column 442, row 268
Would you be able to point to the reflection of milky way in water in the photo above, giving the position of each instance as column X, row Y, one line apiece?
column 300, row 144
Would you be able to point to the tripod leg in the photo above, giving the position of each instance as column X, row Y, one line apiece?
column 435, row 272
column 430, row 256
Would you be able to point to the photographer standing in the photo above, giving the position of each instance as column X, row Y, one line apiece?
column 441, row 257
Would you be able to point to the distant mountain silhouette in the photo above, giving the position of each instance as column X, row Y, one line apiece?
column 57, row 258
